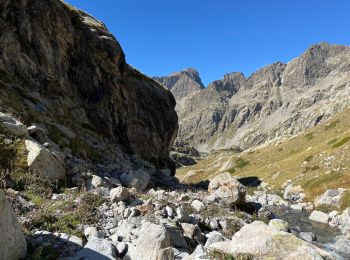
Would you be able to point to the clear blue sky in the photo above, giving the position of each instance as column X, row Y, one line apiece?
column 217, row 37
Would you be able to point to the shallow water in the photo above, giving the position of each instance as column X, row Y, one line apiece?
column 299, row 222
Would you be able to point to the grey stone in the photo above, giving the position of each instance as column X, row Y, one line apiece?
column 279, row 225
column 13, row 244
column 135, row 179
column 319, row 216
column 93, row 232
column 308, row 236
column 12, row 125
column 259, row 241
column 227, row 188
column 119, row 194
column 97, row 248
column 342, row 246
column 198, row 205
column 44, row 162
column 153, row 243
column 214, row 237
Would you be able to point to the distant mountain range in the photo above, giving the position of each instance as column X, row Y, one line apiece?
column 277, row 101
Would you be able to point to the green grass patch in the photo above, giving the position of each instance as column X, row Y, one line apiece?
column 241, row 163
column 73, row 215
column 326, row 208
column 309, row 136
column 231, row 170
column 308, row 158
column 332, row 141
column 341, row 142
column 345, row 201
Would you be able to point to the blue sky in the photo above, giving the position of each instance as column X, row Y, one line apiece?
column 216, row 37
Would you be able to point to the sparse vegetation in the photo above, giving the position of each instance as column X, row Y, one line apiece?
column 218, row 255
column 331, row 125
column 308, row 158
column 341, row 142
column 241, row 163
column 316, row 147
column 309, row 136
column 326, row 208
column 332, row 141
column 71, row 216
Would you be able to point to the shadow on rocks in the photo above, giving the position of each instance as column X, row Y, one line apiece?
column 47, row 245
column 251, row 181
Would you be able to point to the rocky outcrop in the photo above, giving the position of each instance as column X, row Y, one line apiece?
column 259, row 241
column 12, row 125
column 182, row 84
column 62, row 69
column 13, row 244
column 44, row 162
column 227, row 189
column 278, row 100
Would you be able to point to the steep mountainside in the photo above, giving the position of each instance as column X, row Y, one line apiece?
column 316, row 159
column 278, row 100
column 61, row 69
column 182, row 84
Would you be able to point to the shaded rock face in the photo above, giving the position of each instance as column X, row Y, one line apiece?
column 13, row 244
column 278, row 100
column 60, row 63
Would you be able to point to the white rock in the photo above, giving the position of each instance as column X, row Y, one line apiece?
column 227, row 188
column 198, row 205
column 13, row 244
column 189, row 229
column 169, row 211
column 319, row 216
column 119, row 194
column 264, row 242
column 44, row 162
column 121, row 248
column 93, row 232
column 297, row 206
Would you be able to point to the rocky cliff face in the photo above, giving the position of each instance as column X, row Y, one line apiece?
column 277, row 100
column 182, row 84
column 61, row 68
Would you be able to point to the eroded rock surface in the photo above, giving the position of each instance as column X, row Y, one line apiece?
column 62, row 68
column 276, row 101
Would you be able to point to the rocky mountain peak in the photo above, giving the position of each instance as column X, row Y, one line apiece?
column 276, row 100
column 182, row 83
